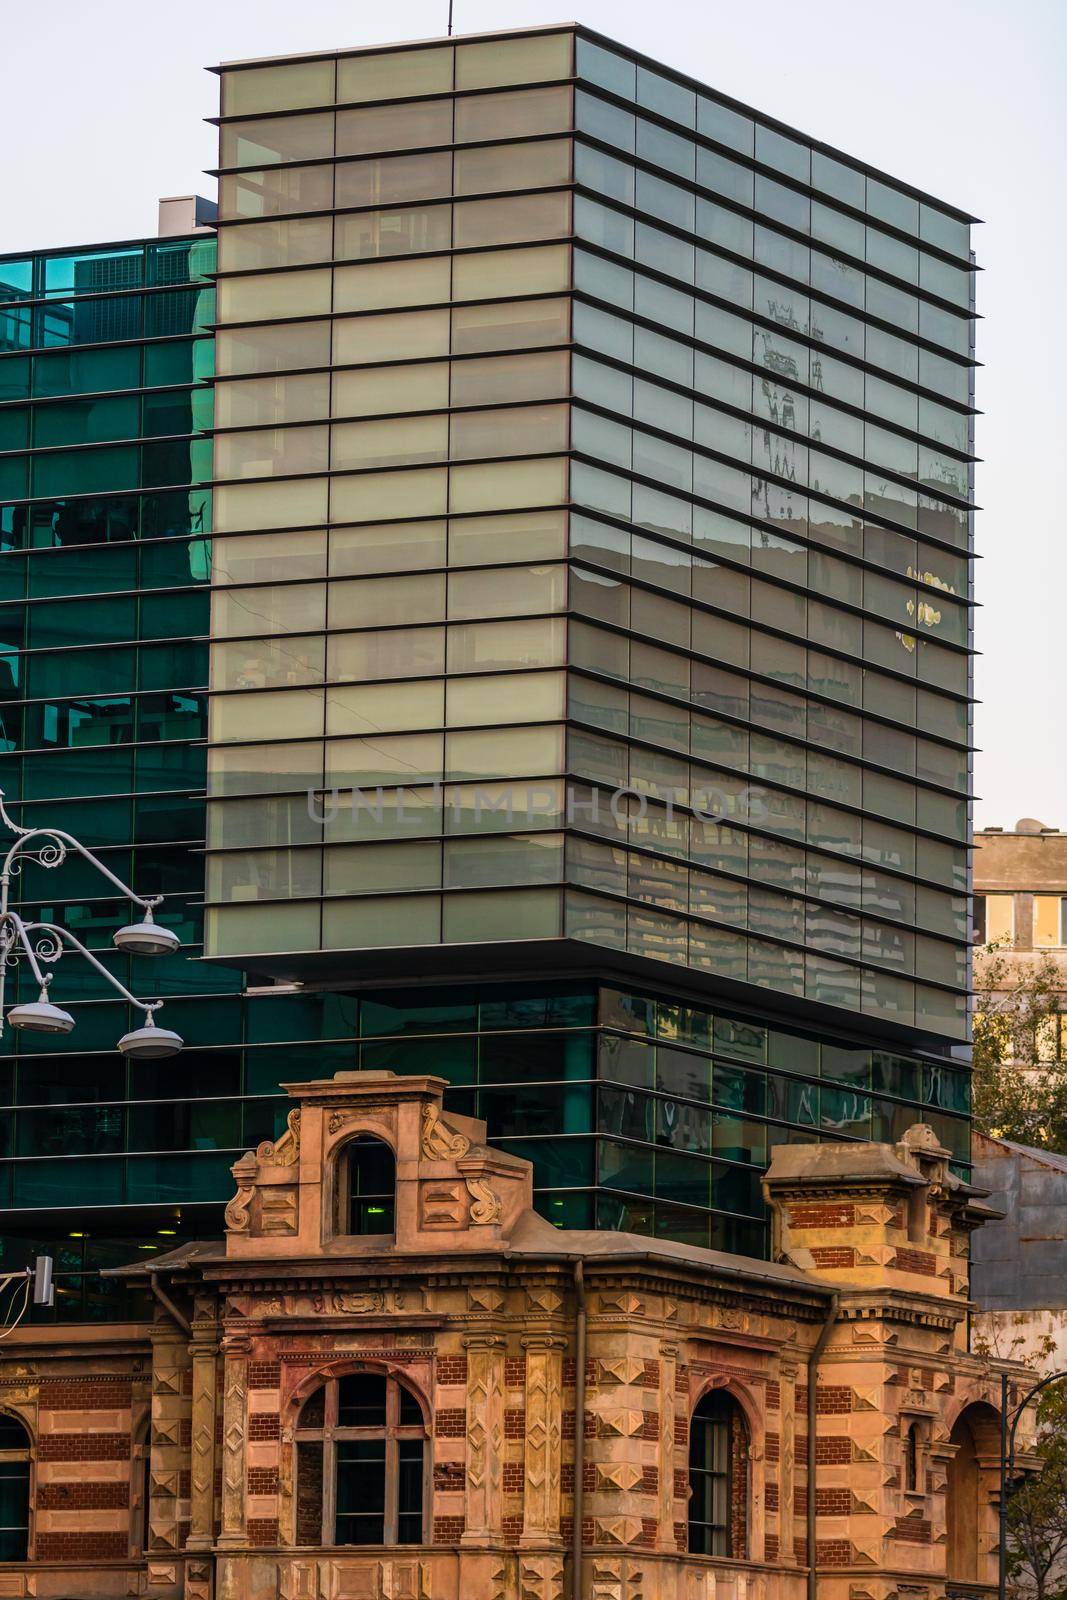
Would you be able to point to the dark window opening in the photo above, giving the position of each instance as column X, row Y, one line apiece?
column 14, row 1490
column 718, row 1477
column 367, row 1187
column 911, row 1459
column 361, row 1448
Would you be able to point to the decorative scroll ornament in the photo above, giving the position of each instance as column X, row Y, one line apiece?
column 485, row 1206
column 440, row 1143
column 237, row 1213
column 284, row 1151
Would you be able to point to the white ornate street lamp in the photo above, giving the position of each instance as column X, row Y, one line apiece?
column 44, row 943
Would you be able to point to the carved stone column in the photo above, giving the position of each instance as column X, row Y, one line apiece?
column 544, row 1431
column 204, row 1352
column 234, row 1440
column 668, row 1367
column 485, row 1438
column 787, row 1482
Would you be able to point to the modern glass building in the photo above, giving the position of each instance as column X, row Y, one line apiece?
column 589, row 633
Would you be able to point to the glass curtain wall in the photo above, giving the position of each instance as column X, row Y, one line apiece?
column 614, row 589
column 106, row 358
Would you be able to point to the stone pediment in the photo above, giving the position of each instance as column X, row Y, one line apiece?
column 450, row 1187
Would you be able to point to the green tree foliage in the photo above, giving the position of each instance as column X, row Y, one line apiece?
column 1037, row 1511
column 1020, row 1084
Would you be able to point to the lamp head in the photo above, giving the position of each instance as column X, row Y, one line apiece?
column 150, row 1043
column 41, row 1016
column 146, row 938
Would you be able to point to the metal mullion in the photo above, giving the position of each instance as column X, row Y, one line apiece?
column 329, row 1463
column 393, row 416
column 774, row 224
column 747, row 264
column 868, row 319
column 353, row 157
column 834, row 452
column 325, row 212
column 767, row 628
column 860, row 562
column 744, row 365
column 760, row 169
column 392, row 1472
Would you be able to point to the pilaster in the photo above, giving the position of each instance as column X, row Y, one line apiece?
column 666, row 1538
column 235, row 1351
column 543, row 1450
column 485, row 1437
column 787, row 1482
column 204, row 1352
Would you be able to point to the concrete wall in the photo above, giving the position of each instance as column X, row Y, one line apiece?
column 1021, row 1262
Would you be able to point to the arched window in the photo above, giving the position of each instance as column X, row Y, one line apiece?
column 366, row 1188
column 361, row 1463
column 969, row 1490
column 718, row 1477
column 14, row 1490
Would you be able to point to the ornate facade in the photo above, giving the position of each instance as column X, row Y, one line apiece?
column 394, row 1381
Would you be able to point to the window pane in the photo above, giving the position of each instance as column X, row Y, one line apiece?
column 272, row 400
column 507, row 378
column 394, row 127
column 275, row 244
column 394, row 233
column 270, row 505
column 1047, row 920
column 502, row 272
column 999, row 917
column 271, row 451
column 390, row 442
column 386, row 547
column 541, row 216
column 504, row 61
column 516, row 325
column 497, row 433
column 304, row 83
column 507, row 116
column 512, row 166
column 391, row 337
column 362, row 602
column 360, row 1492
column 375, row 285
column 409, row 1485
column 394, row 74
column 268, row 349
column 394, row 179
column 376, row 496
column 395, row 653
column 257, row 144
column 492, row 487
column 506, row 592
column 275, row 191
column 374, row 390
column 286, row 608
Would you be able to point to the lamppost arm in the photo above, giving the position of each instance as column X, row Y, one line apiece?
column 59, row 934
column 54, row 854
column 44, row 943
column 18, row 930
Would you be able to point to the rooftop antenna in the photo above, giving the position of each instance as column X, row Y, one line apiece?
column 450, row 5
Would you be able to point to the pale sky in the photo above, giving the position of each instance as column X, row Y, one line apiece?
column 102, row 109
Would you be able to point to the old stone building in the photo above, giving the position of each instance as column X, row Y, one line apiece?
column 394, row 1381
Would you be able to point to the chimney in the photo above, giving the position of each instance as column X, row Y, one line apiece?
column 186, row 213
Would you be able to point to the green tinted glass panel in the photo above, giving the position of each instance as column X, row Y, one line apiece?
column 85, row 471
column 86, row 421
column 83, row 371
